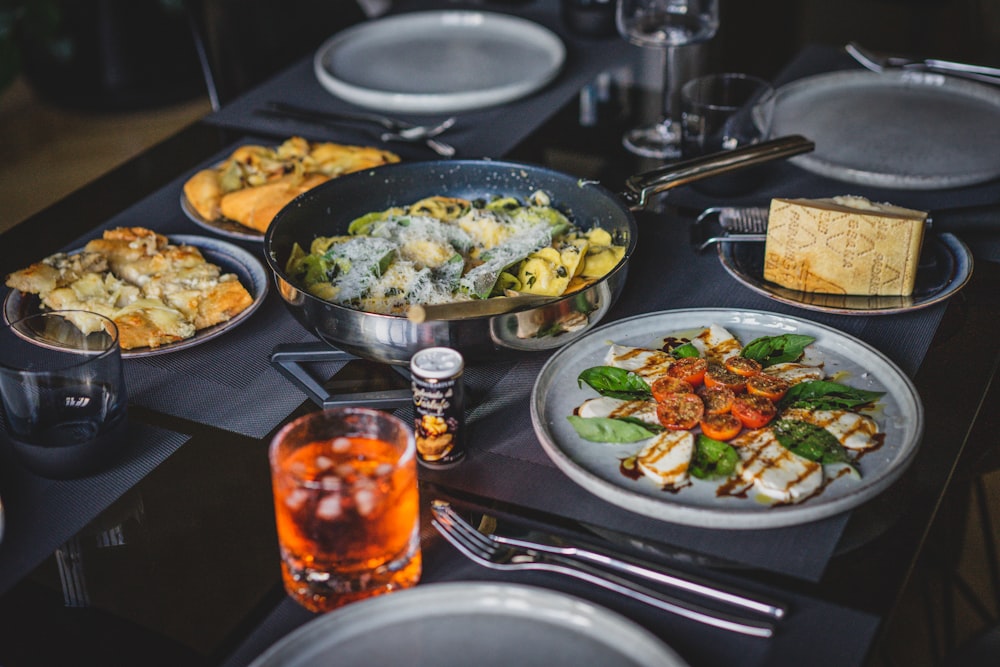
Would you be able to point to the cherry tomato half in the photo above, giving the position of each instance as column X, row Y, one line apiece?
column 689, row 369
column 743, row 366
column 669, row 385
column 754, row 411
column 768, row 386
column 721, row 427
column 680, row 412
column 718, row 375
column 718, row 400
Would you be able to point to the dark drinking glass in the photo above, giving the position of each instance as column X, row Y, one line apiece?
column 64, row 394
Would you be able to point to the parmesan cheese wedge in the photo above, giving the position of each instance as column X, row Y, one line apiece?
column 843, row 245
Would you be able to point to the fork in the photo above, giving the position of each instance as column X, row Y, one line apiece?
column 496, row 555
column 880, row 64
column 395, row 130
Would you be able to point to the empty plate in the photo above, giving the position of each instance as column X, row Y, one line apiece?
column 439, row 61
column 902, row 130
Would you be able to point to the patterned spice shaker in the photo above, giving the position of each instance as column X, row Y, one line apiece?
column 438, row 405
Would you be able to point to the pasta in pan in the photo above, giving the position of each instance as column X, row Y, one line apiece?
column 446, row 249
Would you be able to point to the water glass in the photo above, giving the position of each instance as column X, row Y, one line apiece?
column 724, row 111
column 721, row 112
column 346, row 505
column 64, row 396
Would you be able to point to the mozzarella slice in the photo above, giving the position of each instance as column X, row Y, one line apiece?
column 852, row 430
column 793, row 372
column 605, row 406
column 716, row 343
column 773, row 470
column 647, row 364
column 666, row 458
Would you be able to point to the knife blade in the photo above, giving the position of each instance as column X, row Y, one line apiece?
column 749, row 223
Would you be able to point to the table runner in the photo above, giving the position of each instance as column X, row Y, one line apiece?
column 488, row 132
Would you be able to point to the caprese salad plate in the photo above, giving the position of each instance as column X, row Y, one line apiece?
column 846, row 421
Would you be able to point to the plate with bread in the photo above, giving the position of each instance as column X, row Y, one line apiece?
column 164, row 293
column 239, row 196
column 850, row 256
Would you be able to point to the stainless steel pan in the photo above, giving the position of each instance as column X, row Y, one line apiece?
column 328, row 209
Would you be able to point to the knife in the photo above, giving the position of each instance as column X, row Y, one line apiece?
column 749, row 223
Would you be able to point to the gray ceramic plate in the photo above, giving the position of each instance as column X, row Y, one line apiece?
column 945, row 267
column 230, row 258
column 460, row 624
column 222, row 226
column 595, row 466
column 439, row 61
column 903, row 130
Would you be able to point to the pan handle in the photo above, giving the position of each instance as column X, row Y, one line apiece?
column 642, row 186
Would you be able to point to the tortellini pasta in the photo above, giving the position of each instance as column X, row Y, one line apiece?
column 446, row 249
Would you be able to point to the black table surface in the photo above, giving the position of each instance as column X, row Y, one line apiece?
column 182, row 567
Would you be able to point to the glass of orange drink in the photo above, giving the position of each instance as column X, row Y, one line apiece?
column 347, row 506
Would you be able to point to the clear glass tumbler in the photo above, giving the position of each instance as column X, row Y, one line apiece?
column 64, row 397
column 347, row 506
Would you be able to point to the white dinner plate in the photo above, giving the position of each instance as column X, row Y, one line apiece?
column 230, row 258
column 461, row 624
column 439, row 61
column 945, row 267
column 595, row 466
column 902, row 130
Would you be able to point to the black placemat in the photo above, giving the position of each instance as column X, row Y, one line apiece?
column 42, row 514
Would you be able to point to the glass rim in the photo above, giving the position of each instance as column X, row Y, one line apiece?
column 764, row 89
column 81, row 357
column 409, row 451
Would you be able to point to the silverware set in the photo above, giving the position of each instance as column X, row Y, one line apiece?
column 393, row 129
column 507, row 553
column 879, row 63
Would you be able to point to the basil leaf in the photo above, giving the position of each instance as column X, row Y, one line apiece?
column 827, row 395
column 810, row 441
column 607, row 429
column 615, row 383
column 771, row 350
column 685, row 350
column 652, row 428
column 713, row 459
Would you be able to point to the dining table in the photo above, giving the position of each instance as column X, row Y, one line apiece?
column 170, row 556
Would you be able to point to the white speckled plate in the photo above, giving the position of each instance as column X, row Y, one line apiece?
column 595, row 466
column 439, row 61
column 902, row 130
column 230, row 258
column 457, row 624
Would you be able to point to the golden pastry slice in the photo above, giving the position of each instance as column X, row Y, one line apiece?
column 156, row 292
column 255, row 182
